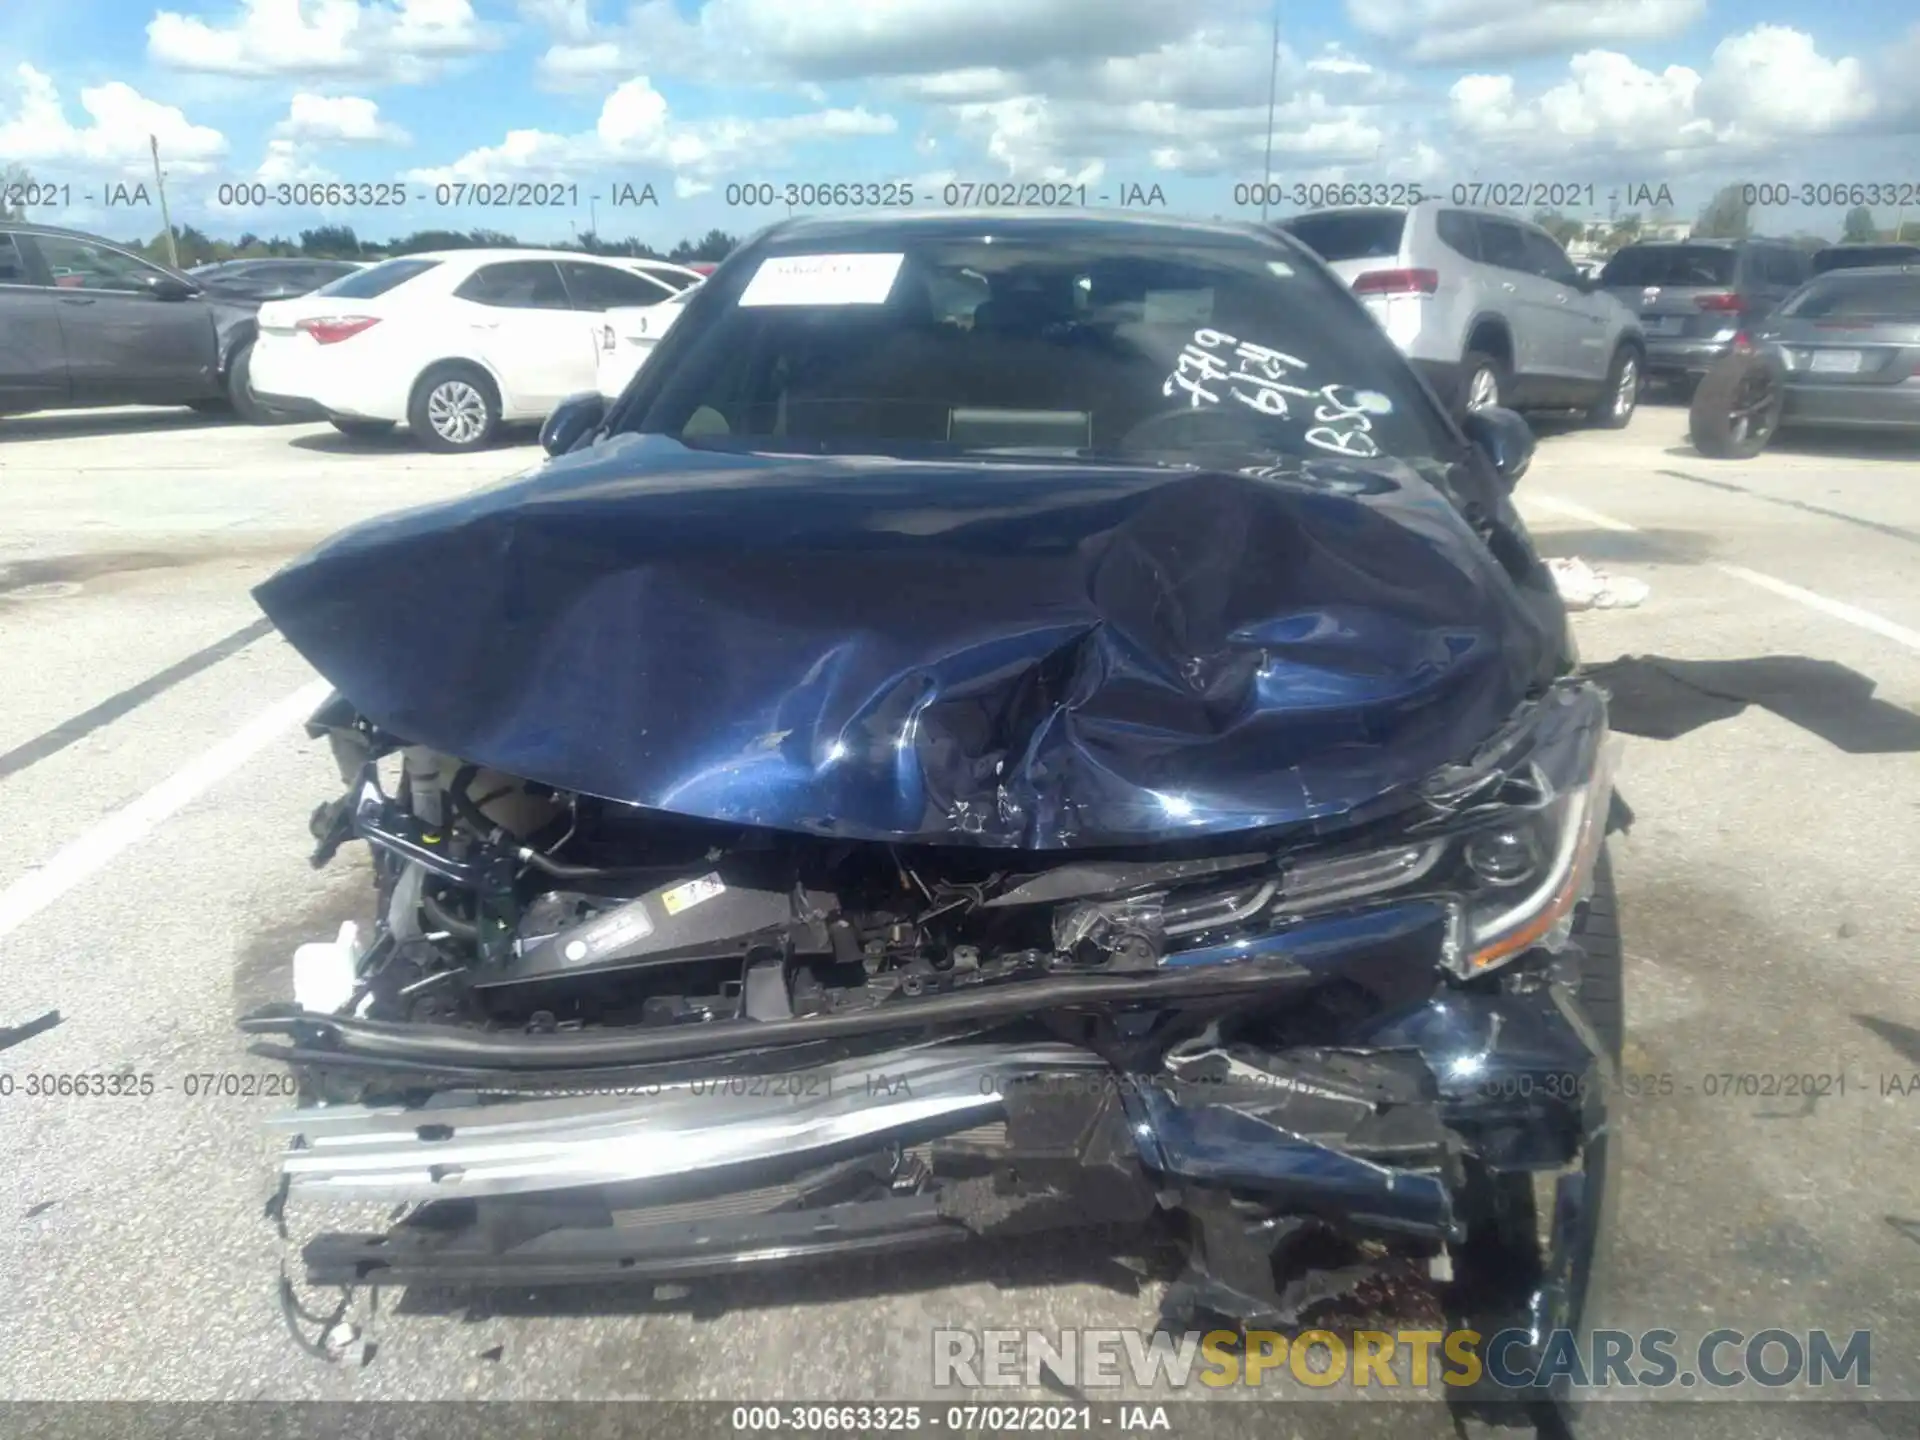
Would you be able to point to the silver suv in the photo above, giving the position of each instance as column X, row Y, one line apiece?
column 1486, row 305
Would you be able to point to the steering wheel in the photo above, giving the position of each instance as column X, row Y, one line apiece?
column 1148, row 434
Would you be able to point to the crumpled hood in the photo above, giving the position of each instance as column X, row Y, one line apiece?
column 1038, row 654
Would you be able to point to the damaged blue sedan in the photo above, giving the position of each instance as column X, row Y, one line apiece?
column 1012, row 722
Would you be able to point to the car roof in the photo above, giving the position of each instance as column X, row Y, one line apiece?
column 490, row 255
column 1711, row 242
column 1006, row 220
column 1871, row 272
column 31, row 227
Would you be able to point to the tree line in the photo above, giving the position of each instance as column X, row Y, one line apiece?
column 340, row 242
column 1727, row 216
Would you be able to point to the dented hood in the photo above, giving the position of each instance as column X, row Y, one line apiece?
column 1041, row 654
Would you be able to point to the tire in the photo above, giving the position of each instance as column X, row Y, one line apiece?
column 1596, row 930
column 1736, row 408
column 363, row 429
column 455, row 408
column 240, row 391
column 1619, row 396
column 1485, row 372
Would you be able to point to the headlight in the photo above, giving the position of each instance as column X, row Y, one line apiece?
column 1510, row 845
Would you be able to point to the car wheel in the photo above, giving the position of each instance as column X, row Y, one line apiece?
column 1620, row 396
column 363, row 429
column 240, row 391
column 1483, row 381
column 455, row 408
column 1736, row 408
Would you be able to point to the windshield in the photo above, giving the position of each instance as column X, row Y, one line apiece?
column 1848, row 296
column 376, row 279
column 1849, row 257
column 970, row 345
column 1670, row 265
column 1350, row 234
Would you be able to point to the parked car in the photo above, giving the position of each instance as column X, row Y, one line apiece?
column 1118, row 759
column 1486, row 305
column 1842, row 353
column 674, row 278
column 1854, row 256
column 628, row 336
column 1694, row 297
column 271, row 279
column 456, row 343
column 88, row 323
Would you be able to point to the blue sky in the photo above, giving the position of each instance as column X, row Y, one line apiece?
column 698, row 97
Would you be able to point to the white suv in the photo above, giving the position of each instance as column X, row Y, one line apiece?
column 1486, row 305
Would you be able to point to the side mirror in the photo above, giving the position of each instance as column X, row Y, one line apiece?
column 1506, row 438
column 573, row 420
column 165, row 287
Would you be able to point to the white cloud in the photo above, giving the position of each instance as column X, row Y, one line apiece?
column 287, row 161
column 636, row 128
column 1033, row 88
column 567, row 66
column 1195, row 104
column 36, row 129
column 401, row 40
column 564, row 19
column 327, row 119
column 1453, row 31
column 870, row 38
column 1772, row 81
column 1761, row 89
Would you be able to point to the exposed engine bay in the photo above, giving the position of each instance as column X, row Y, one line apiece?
column 506, row 904
column 691, row 1045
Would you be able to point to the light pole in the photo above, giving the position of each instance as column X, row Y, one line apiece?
column 1273, row 94
column 166, row 220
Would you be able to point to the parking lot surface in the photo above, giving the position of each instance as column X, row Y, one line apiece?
column 154, row 881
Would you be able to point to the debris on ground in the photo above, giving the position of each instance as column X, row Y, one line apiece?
column 1585, row 588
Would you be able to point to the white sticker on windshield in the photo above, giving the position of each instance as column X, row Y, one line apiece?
column 823, row 280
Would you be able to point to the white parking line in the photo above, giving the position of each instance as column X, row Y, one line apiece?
column 1581, row 513
column 87, row 856
column 1838, row 609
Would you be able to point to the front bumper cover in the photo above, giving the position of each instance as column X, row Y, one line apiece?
column 1385, row 1136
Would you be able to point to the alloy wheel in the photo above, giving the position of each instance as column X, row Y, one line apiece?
column 1751, row 416
column 1483, row 389
column 457, row 412
column 1628, row 393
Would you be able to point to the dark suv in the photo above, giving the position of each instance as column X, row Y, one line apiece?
column 89, row 323
column 1694, row 296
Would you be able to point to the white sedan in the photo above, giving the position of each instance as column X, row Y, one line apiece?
column 456, row 343
column 627, row 337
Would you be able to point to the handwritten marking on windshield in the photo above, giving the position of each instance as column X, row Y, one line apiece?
column 1257, row 382
column 1345, row 425
column 1257, row 377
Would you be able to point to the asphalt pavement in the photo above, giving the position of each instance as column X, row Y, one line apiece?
column 154, row 795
